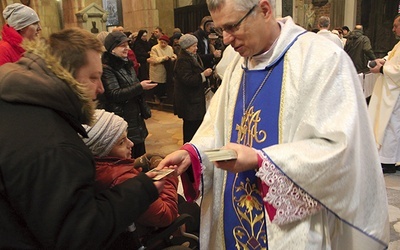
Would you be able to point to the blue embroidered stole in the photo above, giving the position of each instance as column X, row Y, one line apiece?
column 244, row 218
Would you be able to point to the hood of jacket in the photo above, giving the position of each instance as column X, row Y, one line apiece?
column 355, row 34
column 39, row 79
column 12, row 37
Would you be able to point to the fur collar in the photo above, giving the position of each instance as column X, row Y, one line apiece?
column 39, row 79
column 116, row 62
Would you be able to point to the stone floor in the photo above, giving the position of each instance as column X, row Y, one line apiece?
column 165, row 132
column 165, row 136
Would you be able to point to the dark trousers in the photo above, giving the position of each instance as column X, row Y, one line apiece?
column 388, row 168
column 189, row 129
column 160, row 90
column 138, row 150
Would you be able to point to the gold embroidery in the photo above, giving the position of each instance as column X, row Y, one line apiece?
column 249, row 211
column 250, row 234
column 248, row 128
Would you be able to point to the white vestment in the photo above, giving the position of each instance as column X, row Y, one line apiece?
column 326, row 149
column 332, row 37
column 384, row 108
column 227, row 57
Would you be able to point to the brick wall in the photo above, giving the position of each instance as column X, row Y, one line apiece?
column 322, row 11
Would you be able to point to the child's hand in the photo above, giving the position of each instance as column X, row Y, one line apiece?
column 159, row 184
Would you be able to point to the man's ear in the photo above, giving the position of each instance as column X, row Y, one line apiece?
column 266, row 8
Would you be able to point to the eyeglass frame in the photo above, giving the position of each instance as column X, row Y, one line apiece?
column 234, row 27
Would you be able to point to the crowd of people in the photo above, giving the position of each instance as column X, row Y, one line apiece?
column 307, row 172
column 181, row 65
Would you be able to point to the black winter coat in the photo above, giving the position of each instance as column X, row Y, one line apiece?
column 122, row 94
column 142, row 52
column 141, row 49
column 47, row 174
column 189, row 98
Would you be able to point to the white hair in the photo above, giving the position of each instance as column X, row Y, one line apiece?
column 240, row 5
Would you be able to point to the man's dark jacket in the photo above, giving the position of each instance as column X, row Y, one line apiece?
column 358, row 47
column 206, row 57
column 47, row 195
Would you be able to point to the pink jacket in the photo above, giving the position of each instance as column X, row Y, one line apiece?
column 10, row 46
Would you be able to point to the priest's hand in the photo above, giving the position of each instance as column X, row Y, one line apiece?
column 179, row 160
column 247, row 159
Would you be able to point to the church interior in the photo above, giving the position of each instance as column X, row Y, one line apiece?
column 376, row 16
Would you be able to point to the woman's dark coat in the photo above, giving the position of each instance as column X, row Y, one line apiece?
column 142, row 52
column 189, row 98
column 122, row 93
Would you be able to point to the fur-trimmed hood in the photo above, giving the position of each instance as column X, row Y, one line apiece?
column 39, row 79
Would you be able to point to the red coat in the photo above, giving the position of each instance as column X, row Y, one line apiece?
column 10, row 46
column 162, row 212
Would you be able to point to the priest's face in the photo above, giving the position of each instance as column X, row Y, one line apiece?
column 248, row 31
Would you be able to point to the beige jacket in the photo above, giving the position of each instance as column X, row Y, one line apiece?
column 157, row 57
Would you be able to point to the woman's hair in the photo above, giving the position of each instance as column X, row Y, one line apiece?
column 339, row 29
column 71, row 46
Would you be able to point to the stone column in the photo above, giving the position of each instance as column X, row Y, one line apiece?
column 3, row 5
column 299, row 12
column 350, row 10
column 70, row 7
column 148, row 15
column 278, row 8
column 337, row 13
column 166, row 15
column 49, row 21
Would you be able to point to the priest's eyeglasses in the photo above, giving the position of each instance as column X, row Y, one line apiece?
column 232, row 28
